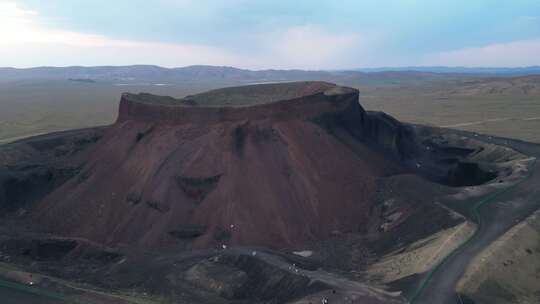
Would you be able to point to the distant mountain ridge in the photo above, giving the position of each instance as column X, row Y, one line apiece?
column 197, row 73
column 459, row 70
column 217, row 76
column 203, row 74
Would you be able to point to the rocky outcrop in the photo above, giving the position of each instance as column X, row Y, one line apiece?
column 264, row 171
column 275, row 165
column 32, row 168
column 319, row 99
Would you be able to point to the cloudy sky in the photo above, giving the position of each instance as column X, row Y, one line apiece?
column 258, row 34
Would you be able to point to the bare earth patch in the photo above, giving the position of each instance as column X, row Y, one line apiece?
column 420, row 256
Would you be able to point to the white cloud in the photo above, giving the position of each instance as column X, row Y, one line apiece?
column 313, row 47
column 26, row 41
column 516, row 53
column 9, row 9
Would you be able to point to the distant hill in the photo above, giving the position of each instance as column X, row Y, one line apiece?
column 231, row 75
column 519, row 86
column 220, row 75
column 459, row 70
column 149, row 72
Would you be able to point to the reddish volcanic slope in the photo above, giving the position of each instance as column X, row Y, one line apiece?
column 273, row 173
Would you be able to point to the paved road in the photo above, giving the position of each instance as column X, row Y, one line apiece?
column 9, row 296
column 496, row 216
column 16, row 295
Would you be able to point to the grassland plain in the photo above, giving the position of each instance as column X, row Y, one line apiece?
column 503, row 106
column 507, row 116
column 35, row 107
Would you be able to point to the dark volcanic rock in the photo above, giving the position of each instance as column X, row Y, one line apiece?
column 244, row 277
column 264, row 174
column 469, row 174
column 290, row 166
column 190, row 231
column 275, row 165
column 32, row 168
column 266, row 283
column 222, row 279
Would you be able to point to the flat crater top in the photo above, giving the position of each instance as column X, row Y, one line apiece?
column 246, row 95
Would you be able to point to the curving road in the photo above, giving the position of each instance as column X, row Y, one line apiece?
column 495, row 216
column 13, row 293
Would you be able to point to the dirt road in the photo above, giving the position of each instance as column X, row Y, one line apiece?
column 496, row 215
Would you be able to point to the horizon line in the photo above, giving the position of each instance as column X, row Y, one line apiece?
column 355, row 69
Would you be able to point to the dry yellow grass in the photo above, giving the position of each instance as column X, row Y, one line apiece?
column 508, row 271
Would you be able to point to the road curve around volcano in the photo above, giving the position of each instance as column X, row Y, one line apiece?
column 495, row 215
